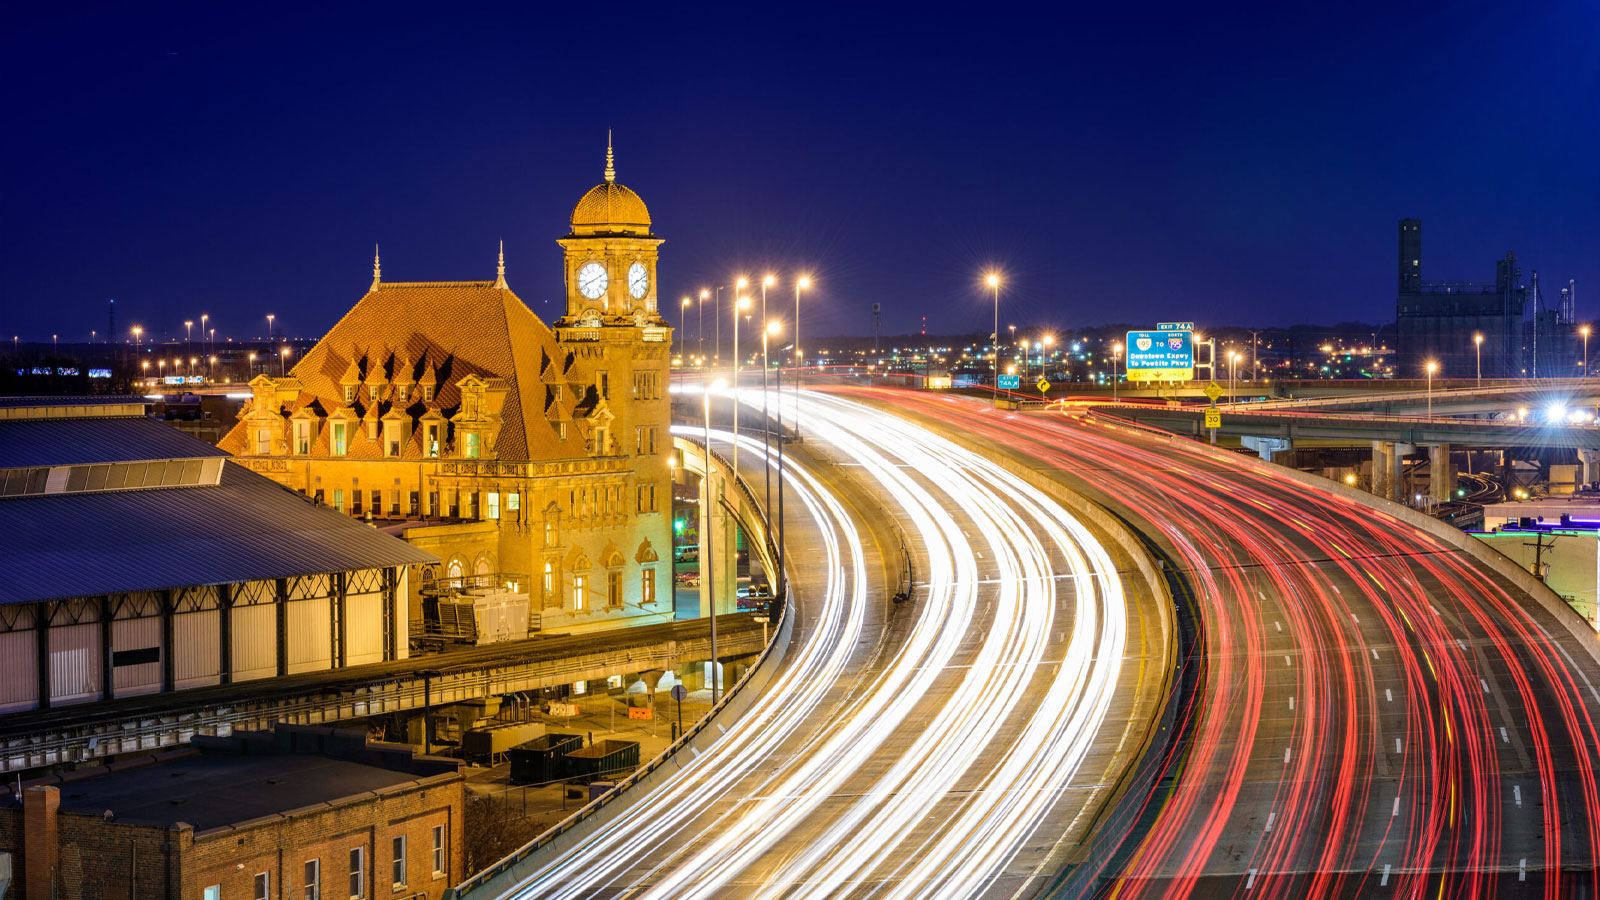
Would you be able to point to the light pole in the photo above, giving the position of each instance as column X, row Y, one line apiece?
column 799, row 358
column 283, row 362
column 1477, row 341
column 994, row 284
column 1253, row 363
column 1233, row 371
column 204, row 317
column 683, row 327
column 211, row 341
column 251, row 371
column 188, row 336
column 136, row 332
column 700, row 329
column 1585, row 332
column 1431, row 366
column 775, row 327
column 766, row 421
column 1116, row 359
column 707, row 576
column 269, row 327
column 739, row 305
column 1048, row 342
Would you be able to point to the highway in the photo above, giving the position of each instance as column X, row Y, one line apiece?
column 1375, row 712
column 955, row 745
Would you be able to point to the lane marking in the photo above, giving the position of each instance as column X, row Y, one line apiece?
column 1251, row 881
column 1355, row 618
column 1271, row 817
column 1287, row 662
column 1286, row 751
column 1280, row 626
column 1397, row 747
column 1396, row 811
column 1522, row 869
column 1389, row 694
column 1384, row 882
column 1485, row 685
column 1374, row 652
column 1516, row 794
column 1291, row 703
column 1503, row 738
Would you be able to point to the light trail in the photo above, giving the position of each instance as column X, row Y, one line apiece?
column 1312, row 803
column 926, row 775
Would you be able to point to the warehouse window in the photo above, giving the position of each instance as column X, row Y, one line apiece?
column 438, row 851
column 213, row 892
column 358, row 870
column 263, row 886
column 399, row 861
column 313, row 881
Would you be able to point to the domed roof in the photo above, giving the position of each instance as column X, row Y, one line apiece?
column 609, row 203
column 610, row 206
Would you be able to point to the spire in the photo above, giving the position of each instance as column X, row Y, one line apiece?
column 611, row 168
column 500, row 271
column 376, row 269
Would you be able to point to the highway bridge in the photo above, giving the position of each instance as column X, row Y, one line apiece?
column 1379, row 707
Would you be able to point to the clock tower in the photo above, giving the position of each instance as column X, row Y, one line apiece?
column 613, row 325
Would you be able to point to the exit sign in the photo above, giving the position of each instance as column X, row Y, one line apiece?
column 1175, row 326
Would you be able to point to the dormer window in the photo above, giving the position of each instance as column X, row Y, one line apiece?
column 433, row 441
column 263, row 441
column 472, row 446
column 349, row 393
column 555, row 392
column 302, row 438
column 372, row 392
column 427, row 393
column 336, row 446
column 400, row 391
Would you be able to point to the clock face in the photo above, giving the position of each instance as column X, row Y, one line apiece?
column 592, row 280
column 638, row 280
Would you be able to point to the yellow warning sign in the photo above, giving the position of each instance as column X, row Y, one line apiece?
column 1042, row 385
column 1213, row 417
column 1213, row 391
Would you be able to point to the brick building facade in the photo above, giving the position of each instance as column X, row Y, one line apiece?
column 308, row 813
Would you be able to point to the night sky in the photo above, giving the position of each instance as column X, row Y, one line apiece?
column 1121, row 164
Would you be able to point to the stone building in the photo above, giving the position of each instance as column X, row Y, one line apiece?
column 528, row 458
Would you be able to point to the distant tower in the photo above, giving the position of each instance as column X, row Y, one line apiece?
column 877, row 325
column 111, row 320
column 1410, row 256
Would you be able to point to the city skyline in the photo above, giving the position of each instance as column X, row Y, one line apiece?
column 186, row 165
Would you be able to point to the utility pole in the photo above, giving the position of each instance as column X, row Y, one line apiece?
column 1539, row 546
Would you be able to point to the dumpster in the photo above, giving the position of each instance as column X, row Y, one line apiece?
column 491, row 742
column 607, row 760
column 542, row 759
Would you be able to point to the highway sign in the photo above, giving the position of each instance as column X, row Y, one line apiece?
column 1160, row 355
column 1175, row 326
column 1010, row 382
column 679, row 692
column 1213, row 390
column 1042, row 384
column 1213, row 417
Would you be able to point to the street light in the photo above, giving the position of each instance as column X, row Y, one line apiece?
column 803, row 281
column 739, row 305
column 1477, row 341
column 683, row 328
column 188, row 335
column 1585, row 332
column 707, row 569
column 1116, row 359
column 994, row 284
column 136, row 332
column 203, row 331
column 700, row 329
column 1431, row 367
column 283, row 362
column 774, row 328
column 1233, row 359
column 269, row 326
column 1049, row 341
column 766, row 423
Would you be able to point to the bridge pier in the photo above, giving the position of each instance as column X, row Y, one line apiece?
column 1266, row 446
column 1589, row 466
column 719, row 543
column 1441, row 473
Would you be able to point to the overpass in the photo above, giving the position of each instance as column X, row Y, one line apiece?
column 1392, row 437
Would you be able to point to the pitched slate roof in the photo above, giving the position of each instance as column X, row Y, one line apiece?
column 442, row 330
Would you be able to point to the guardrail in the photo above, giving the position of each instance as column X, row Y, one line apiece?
column 595, row 806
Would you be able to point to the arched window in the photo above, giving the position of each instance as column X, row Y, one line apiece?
column 482, row 566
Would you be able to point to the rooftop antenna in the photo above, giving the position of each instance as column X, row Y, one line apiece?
column 500, row 272
column 376, row 270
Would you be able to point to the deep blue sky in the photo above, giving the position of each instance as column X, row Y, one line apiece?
column 1121, row 164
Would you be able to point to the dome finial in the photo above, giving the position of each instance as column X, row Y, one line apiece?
column 500, row 272
column 376, row 270
column 611, row 169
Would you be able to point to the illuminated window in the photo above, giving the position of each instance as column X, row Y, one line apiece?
column 349, row 393
column 561, row 431
column 213, row 892
column 491, row 505
column 433, row 441
column 513, row 502
column 438, row 850
column 427, row 393
column 337, row 445
column 473, row 450
column 263, row 441
column 549, row 582
column 602, row 383
column 338, row 499
column 578, row 584
column 302, row 437
column 647, row 585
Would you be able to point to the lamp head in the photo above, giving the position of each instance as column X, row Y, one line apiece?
column 705, row 293
column 743, row 303
column 774, row 328
column 769, row 281
column 993, row 280
column 804, row 282
column 741, row 283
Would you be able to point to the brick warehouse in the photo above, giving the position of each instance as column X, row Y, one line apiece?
column 300, row 812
